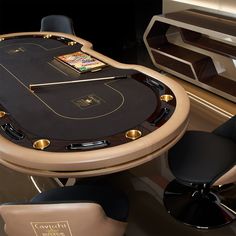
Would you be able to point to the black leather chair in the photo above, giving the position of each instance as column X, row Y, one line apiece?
column 91, row 209
column 203, row 194
column 57, row 23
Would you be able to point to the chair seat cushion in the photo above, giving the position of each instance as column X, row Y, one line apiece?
column 201, row 157
column 113, row 201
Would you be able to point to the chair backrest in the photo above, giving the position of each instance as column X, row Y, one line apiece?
column 57, row 23
column 227, row 129
column 67, row 219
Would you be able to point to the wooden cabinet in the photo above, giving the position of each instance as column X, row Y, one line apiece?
column 197, row 46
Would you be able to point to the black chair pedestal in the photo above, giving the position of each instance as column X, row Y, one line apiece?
column 201, row 207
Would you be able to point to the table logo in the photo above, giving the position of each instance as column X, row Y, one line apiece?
column 57, row 228
column 88, row 101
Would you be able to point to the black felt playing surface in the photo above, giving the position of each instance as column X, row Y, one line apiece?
column 88, row 110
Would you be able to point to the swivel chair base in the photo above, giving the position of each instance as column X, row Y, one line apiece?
column 203, row 208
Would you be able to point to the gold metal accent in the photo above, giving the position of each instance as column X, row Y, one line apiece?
column 2, row 114
column 133, row 134
column 1, row 39
column 71, row 43
column 166, row 97
column 32, row 86
column 47, row 36
column 41, row 144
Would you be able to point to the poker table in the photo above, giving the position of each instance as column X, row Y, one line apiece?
column 82, row 124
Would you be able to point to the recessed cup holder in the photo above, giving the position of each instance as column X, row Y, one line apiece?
column 47, row 36
column 133, row 134
column 71, row 43
column 166, row 97
column 41, row 144
column 2, row 114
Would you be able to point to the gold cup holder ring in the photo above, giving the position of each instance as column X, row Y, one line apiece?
column 2, row 114
column 166, row 97
column 133, row 134
column 71, row 43
column 41, row 144
column 47, row 36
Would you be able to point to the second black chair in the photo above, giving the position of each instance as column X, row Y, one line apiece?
column 91, row 208
column 57, row 23
column 203, row 194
